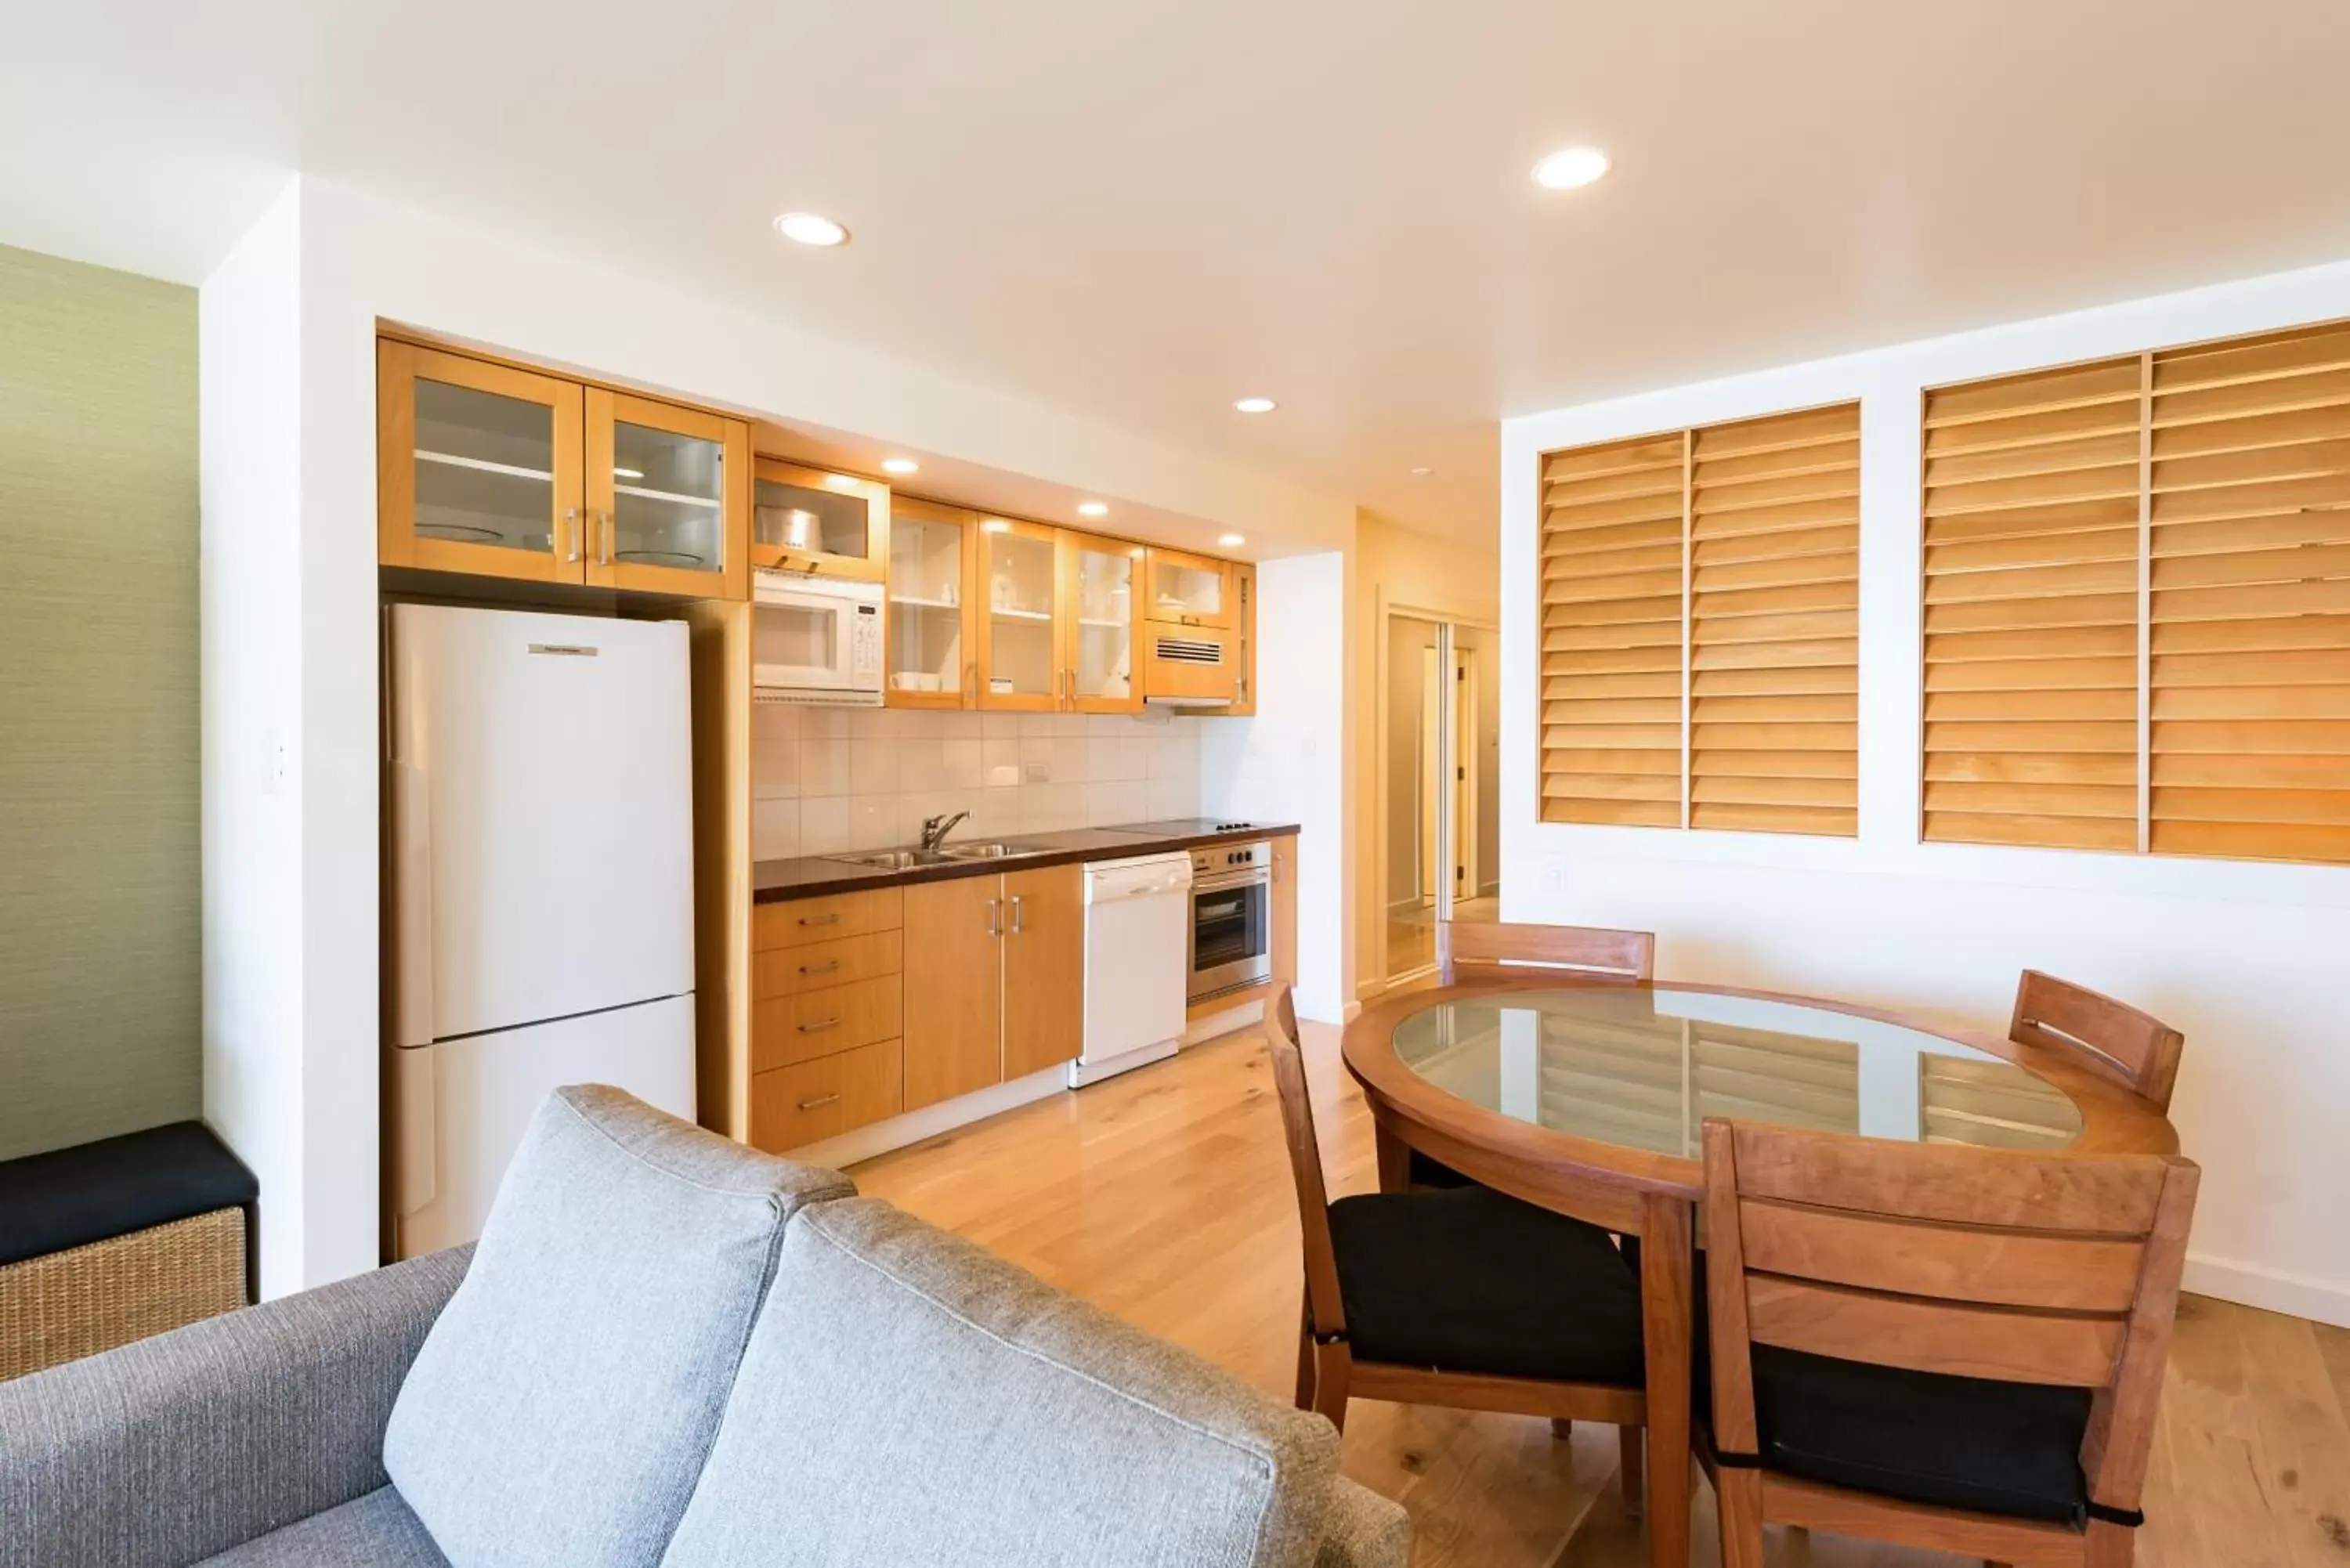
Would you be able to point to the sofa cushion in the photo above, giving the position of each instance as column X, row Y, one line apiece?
column 561, row 1407
column 376, row 1531
column 908, row 1399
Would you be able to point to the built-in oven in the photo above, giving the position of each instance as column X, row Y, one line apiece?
column 1231, row 919
column 815, row 639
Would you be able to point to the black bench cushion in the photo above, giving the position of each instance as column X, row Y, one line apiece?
column 1470, row 1279
column 94, row 1192
column 2011, row 1448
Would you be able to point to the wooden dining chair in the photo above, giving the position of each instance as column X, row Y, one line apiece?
column 2133, row 1047
column 1466, row 1298
column 1935, row 1345
column 1468, row 949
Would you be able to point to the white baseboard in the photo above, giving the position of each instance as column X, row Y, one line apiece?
column 1354, row 1011
column 2247, row 1284
column 880, row 1137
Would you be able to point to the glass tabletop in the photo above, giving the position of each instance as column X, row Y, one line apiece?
column 1644, row 1068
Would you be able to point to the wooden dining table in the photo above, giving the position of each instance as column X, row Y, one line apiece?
column 1586, row 1097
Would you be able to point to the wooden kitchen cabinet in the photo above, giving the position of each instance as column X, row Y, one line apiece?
column 932, row 642
column 824, row 525
column 1043, row 968
column 1101, row 626
column 793, row 1106
column 1284, row 910
column 954, row 1011
column 827, row 1016
column 478, row 467
column 1020, row 634
column 1002, row 988
column 1185, row 589
column 491, row 470
column 1245, row 612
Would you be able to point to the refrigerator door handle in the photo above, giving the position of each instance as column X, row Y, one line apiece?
column 413, row 898
column 416, row 1163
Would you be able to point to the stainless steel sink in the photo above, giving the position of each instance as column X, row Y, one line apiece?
column 892, row 859
column 992, row 851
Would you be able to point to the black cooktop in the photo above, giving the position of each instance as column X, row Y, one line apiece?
column 1188, row 826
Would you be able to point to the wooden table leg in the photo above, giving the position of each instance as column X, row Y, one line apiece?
column 1667, row 1291
column 1395, row 1160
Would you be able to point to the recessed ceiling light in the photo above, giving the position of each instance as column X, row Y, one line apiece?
column 1422, row 472
column 811, row 229
column 900, row 465
column 995, row 526
column 1231, row 541
column 1092, row 509
column 1256, row 405
column 1570, row 167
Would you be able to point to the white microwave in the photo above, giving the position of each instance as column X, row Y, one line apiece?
column 815, row 639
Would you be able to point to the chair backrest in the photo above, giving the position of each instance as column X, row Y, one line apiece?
column 2115, row 1038
column 1590, row 952
column 1322, row 1302
column 1976, row 1262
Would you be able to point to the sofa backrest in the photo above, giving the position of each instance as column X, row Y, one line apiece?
column 563, row 1404
column 907, row 1397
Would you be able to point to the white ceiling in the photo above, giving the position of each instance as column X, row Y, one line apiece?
column 1147, row 210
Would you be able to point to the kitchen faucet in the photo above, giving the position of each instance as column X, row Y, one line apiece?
column 936, row 828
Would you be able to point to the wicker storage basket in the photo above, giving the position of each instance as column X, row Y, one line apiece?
column 86, row 1299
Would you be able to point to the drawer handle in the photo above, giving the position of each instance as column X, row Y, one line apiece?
column 821, row 1023
column 819, row 1100
column 831, row 919
column 825, row 967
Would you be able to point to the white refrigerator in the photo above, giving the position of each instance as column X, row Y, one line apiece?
column 541, row 871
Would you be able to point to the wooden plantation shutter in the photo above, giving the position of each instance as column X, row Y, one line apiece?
column 1700, row 664
column 2251, row 599
column 1611, row 622
column 2031, row 608
column 1775, row 546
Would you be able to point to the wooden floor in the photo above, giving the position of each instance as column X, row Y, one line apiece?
column 1164, row 1197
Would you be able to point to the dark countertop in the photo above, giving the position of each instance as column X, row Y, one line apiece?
column 773, row 881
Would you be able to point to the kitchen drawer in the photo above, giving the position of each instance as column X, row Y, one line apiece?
column 793, row 1106
column 799, row 921
column 786, row 971
column 787, row 1029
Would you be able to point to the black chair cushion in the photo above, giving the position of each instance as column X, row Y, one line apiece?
column 1427, row 1171
column 2011, row 1448
column 94, row 1192
column 1470, row 1279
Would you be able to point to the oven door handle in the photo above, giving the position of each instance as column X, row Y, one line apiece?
column 1228, row 881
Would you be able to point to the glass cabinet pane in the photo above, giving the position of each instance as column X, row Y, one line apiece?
column 807, row 521
column 926, row 651
column 1105, row 620
column 1019, row 572
column 484, row 468
column 669, row 498
column 1186, row 591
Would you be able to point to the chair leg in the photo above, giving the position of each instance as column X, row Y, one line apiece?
column 1737, row 1494
column 1631, row 1445
column 1306, row 1359
column 1332, row 1370
column 2108, row 1545
column 1561, row 1428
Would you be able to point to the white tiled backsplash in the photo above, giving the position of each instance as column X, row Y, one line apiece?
column 828, row 779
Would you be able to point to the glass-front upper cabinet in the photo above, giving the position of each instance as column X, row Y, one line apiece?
column 1102, row 636
column 477, row 467
column 1019, row 625
column 805, row 520
column 932, row 642
column 666, row 489
column 1189, row 590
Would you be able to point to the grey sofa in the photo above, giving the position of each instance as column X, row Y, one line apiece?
column 670, row 1352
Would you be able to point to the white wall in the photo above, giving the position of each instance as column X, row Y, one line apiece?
column 249, row 344
column 290, row 879
column 1292, row 761
column 2246, row 959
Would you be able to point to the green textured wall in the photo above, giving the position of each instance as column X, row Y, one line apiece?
column 99, row 858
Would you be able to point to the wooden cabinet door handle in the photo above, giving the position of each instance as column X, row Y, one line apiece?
column 995, row 917
column 831, row 919
column 571, row 533
column 825, row 967
column 820, row 1024
column 819, row 1101
column 1017, row 901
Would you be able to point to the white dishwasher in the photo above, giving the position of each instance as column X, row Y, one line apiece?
column 1137, row 963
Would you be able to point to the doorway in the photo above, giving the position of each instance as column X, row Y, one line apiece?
column 1439, row 785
